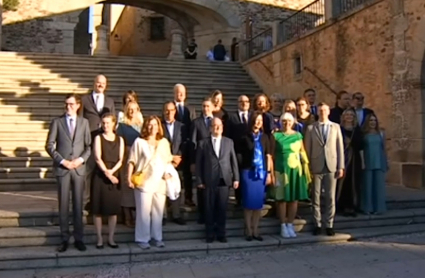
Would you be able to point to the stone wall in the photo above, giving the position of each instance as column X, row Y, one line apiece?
column 132, row 31
column 378, row 50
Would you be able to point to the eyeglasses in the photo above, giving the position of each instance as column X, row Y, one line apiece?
column 244, row 101
column 359, row 98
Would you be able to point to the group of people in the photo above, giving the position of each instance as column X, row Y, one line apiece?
column 217, row 52
column 292, row 150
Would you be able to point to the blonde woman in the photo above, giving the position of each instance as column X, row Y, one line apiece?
column 108, row 152
column 292, row 178
column 129, row 129
column 129, row 96
column 290, row 107
column 151, row 156
column 276, row 106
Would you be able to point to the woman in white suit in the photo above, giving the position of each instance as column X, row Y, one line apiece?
column 150, row 155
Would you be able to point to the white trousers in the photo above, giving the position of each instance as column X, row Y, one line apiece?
column 149, row 213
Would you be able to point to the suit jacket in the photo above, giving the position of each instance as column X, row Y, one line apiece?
column 366, row 112
column 322, row 154
column 179, row 135
column 188, row 116
column 199, row 131
column 92, row 115
column 210, row 168
column 245, row 150
column 60, row 145
column 235, row 128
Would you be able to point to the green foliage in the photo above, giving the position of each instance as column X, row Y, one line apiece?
column 10, row 5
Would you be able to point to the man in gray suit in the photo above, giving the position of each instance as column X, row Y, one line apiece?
column 68, row 144
column 325, row 149
column 216, row 170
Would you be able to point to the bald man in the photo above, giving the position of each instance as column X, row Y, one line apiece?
column 95, row 104
column 216, row 171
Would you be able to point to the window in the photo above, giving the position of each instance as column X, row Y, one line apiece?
column 157, row 28
column 297, row 64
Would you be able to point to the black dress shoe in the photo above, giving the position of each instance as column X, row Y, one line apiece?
column 113, row 246
column 80, row 246
column 317, row 231
column 222, row 239
column 99, row 246
column 248, row 238
column 330, row 232
column 63, row 247
column 179, row 221
column 210, row 240
column 258, row 238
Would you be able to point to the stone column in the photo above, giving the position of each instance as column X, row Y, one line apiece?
column 102, row 40
column 1, row 21
column 332, row 9
column 176, row 44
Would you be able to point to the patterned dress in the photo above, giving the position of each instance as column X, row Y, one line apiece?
column 291, row 176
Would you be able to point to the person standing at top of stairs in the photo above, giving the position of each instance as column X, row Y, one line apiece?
column 95, row 105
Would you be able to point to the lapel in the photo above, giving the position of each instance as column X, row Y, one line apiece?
column 204, row 124
column 364, row 116
column 319, row 133
column 93, row 104
column 221, row 152
column 65, row 126
column 176, row 129
column 77, row 127
column 167, row 133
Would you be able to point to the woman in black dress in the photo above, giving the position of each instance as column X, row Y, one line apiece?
column 106, row 195
column 349, row 186
column 304, row 116
column 261, row 102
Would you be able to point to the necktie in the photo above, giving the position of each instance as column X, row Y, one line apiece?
column 324, row 132
column 71, row 127
column 208, row 122
column 181, row 110
column 244, row 120
column 96, row 102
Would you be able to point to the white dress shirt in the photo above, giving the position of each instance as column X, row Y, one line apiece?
column 170, row 128
column 243, row 114
column 216, row 142
column 100, row 100
column 68, row 123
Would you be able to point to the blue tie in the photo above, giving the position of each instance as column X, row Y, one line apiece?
column 181, row 110
column 208, row 122
column 324, row 132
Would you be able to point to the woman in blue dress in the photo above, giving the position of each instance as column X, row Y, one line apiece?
column 375, row 166
column 254, row 157
column 129, row 128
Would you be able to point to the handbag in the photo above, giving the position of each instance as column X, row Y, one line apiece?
column 138, row 178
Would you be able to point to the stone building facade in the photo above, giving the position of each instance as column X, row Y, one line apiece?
column 49, row 25
column 377, row 49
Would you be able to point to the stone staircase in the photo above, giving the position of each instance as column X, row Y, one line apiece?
column 29, row 233
column 32, row 89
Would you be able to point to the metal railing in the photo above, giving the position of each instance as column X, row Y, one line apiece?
column 294, row 26
column 260, row 43
column 342, row 6
column 301, row 22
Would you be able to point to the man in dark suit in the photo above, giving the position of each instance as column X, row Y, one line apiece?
column 95, row 104
column 237, row 127
column 185, row 114
column 343, row 100
column 68, row 144
column 219, row 51
column 216, row 171
column 175, row 133
column 361, row 112
column 310, row 95
column 200, row 130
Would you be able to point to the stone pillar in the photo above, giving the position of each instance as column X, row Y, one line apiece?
column 1, row 21
column 275, row 33
column 176, row 44
column 102, row 40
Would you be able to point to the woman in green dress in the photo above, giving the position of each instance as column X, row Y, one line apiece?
column 291, row 173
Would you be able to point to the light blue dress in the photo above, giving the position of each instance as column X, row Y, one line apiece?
column 373, row 192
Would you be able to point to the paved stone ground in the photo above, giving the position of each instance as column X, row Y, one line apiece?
column 385, row 257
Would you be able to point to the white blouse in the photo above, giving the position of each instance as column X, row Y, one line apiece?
column 142, row 157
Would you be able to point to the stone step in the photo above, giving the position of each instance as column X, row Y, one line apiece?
column 23, row 149
column 12, row 162
column 50, row 235
column 26, row 173
column 47, row 257
column 30, row 184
